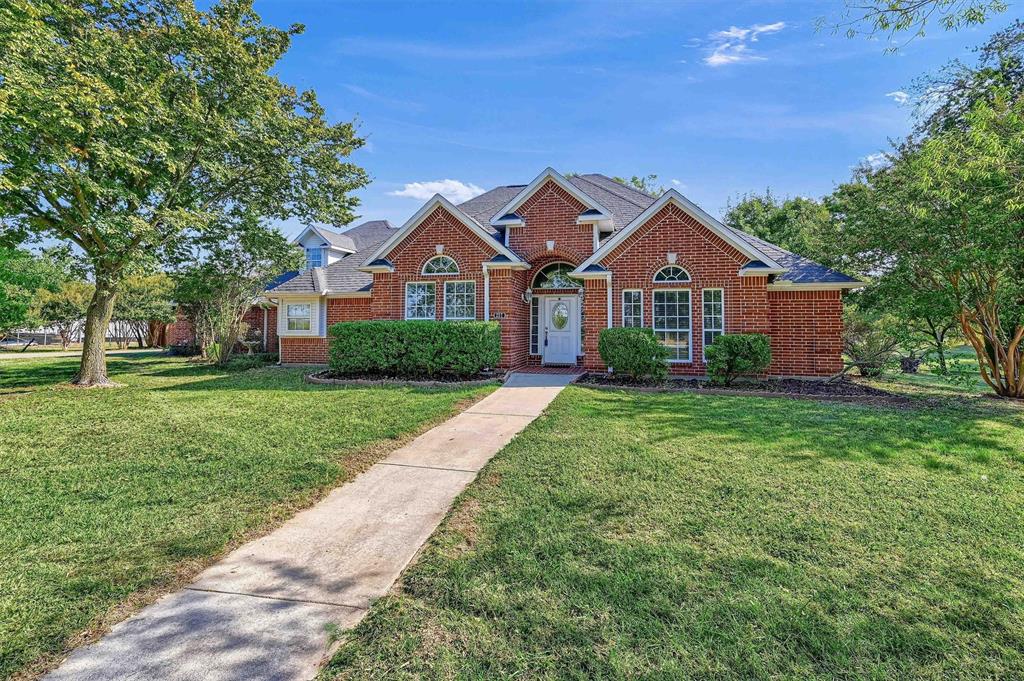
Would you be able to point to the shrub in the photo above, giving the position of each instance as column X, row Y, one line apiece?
column 414, row 348
column 735, row 354
column 869, row 340
column 633, row 352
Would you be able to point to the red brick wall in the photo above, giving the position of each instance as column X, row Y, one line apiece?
column 550, row 215
column 711, row 263
column 179, row 332
column 807, row 332
column 300, row 350
column 460, row 243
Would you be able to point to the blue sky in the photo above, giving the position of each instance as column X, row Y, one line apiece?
column 716, row 98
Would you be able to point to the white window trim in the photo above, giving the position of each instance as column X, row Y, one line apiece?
column 321, row 249
column 405, row 301
column 689, row 347
column 444, row 301
column 688, row 280
column 314, row 317
column 535, row 328
column 703, row 345
column 440, row 274
column 623, row 316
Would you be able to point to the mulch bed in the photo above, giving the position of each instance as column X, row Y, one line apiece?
column 328, row 377
column 844, row 390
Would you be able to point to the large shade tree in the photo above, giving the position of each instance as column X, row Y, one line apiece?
column 124, row 125
column 947, row 217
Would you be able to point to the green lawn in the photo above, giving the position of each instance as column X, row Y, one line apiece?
column 689, row 536
column 105, row 494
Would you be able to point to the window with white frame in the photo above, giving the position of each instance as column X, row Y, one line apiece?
column 298, row 316
column 671, row 273
column 714, row 314
column 459, row 300
column 632, row 308
column 442, row 264
column 535, row 325
column 314, row 257
column 671, row 316
column 419, row 300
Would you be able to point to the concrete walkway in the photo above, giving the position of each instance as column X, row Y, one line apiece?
column 265, row 610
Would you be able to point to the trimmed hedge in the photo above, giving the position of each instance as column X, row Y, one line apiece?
column 735, row 354
column 414, row 348
column 633, row 352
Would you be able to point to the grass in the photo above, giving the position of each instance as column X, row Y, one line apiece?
column 109, row 496
column 689, row 536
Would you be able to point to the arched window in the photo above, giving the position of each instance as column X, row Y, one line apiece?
column 671, row 274
column 556, row 275
column 442, row 264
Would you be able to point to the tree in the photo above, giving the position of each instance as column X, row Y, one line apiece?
column 944, row 100
column 143, row 299
column 21, row 273
column 800, row 224
column 64, row 308
column 126, row 125
column 948, row 215
column 648, row 184
column 227, row 270
column 898, row 16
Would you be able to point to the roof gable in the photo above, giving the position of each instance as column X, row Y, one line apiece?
column 501, row 216
column 694, row 211
column 424, row 212
column 333, row 240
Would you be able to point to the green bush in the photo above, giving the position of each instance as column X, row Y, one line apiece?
column 633, row 352
column 735, row 354
column 414, row 348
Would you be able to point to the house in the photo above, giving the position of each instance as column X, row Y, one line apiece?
column 556, row 261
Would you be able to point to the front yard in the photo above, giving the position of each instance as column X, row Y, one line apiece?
column 108, row 496
column 689, row 536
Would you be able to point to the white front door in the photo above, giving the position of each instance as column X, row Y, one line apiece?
column 560, row 331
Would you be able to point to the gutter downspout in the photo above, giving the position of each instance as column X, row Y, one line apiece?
column 487, row 294
column 264, row 329
column 608, row 286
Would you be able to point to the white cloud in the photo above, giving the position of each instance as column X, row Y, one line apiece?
column 875, row 161
column 898, row 96
column 677, row 183
column 453, row 190
column 732, row 46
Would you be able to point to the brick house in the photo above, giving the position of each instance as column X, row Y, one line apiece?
column 556, row 261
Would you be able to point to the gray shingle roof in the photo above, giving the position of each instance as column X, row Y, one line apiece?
column 342, row 241
column 342, row 276
column 625, row 203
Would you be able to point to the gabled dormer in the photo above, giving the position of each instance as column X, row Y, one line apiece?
column 323, row 247
column 592, row 214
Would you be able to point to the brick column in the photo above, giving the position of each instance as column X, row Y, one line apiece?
column 595, row 319
column 509, row 310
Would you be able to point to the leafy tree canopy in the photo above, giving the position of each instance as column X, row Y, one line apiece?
column 890, row 17
column 126, row 125
column 799, row 224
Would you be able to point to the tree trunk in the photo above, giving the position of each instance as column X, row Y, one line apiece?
column 93, row 370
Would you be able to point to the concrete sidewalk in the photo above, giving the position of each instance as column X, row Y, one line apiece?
column 264, row 611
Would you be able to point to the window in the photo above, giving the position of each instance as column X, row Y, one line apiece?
column 535, row 326
column 460, row 300
column 419, row 300
column 442, row 264
column 672, row 322
column 314, row 258
column 632, row 308
column 714, row 314
column 556, row 275
column 671, row 273
column 299, row 316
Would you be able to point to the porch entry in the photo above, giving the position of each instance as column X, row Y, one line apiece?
column 561, row 329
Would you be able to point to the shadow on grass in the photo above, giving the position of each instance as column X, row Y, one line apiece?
column 42, row 372
column 947, row 439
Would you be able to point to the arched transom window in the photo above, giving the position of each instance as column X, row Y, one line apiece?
column 442, row 264
column 556, row 275
column 671, row 274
